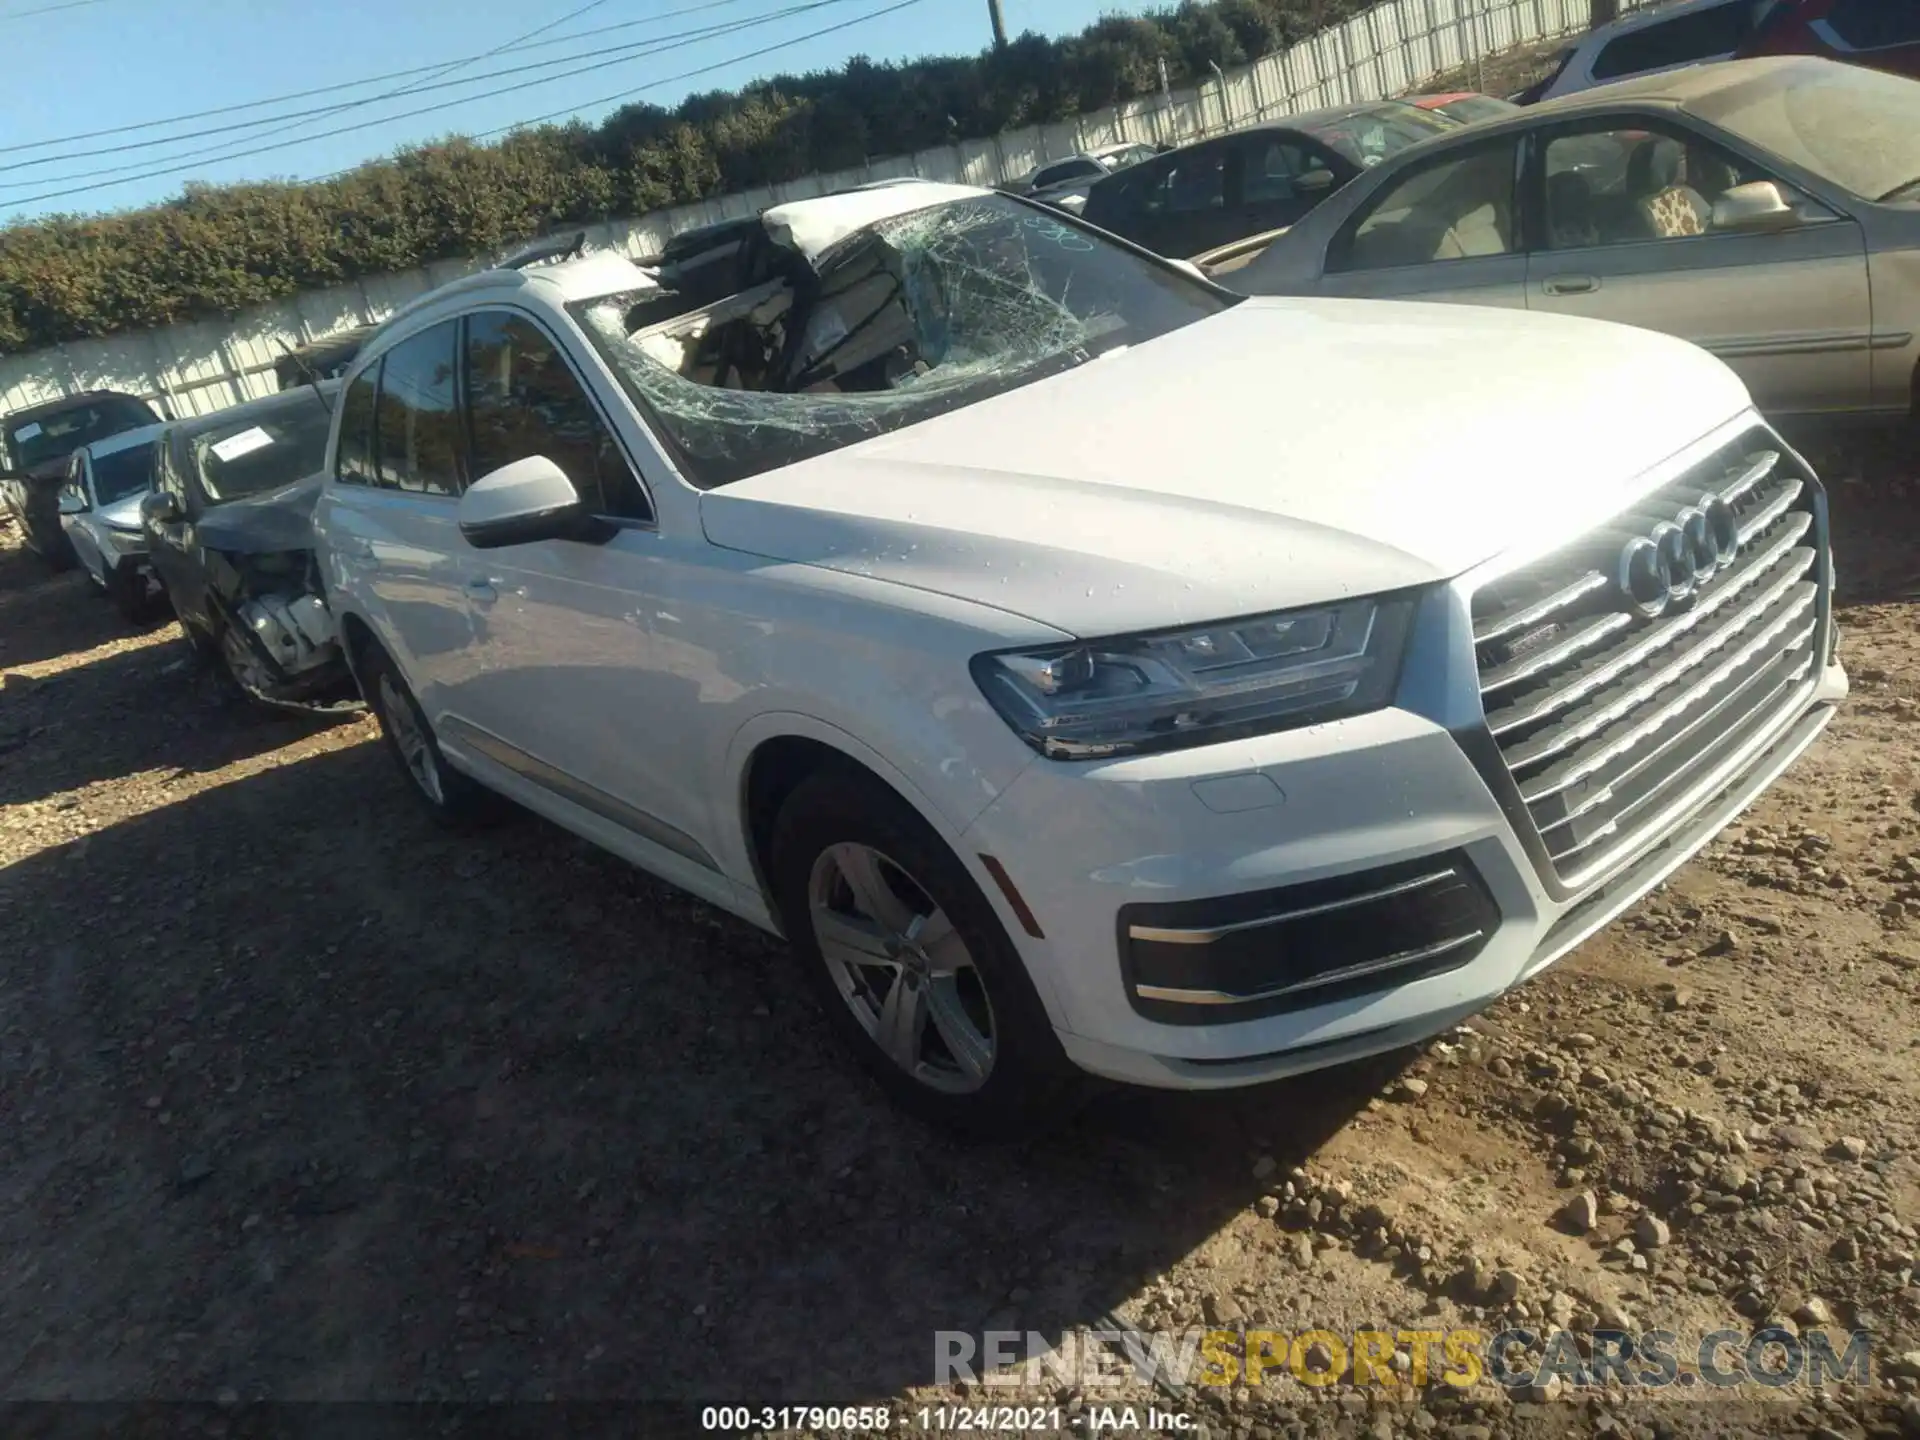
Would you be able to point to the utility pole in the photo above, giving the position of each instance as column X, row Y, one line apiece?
column 999, row 24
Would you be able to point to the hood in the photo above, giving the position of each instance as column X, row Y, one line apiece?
column 279, row 519
column 123, row 513
column 1284, row 452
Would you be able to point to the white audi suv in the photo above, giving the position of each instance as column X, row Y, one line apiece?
column 1086, row 670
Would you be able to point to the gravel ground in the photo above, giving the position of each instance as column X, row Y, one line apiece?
column 301, row 1098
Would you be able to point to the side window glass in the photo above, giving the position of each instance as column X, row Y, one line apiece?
column 1699, row 35
column 1197, row 183
column 353, row 464
column 1268, row 170
column 1457, row 209
column 417, row 432
column 523, row 399
column 73, row 494
column 166, row 474
column 1626, row 186
column 1875, row 24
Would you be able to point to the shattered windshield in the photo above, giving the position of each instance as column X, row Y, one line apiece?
column 268, row 448
column 910, row 317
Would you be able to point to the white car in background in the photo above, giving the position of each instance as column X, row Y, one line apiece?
column 1085, row 669
column 1651, row 39
column 100, row 512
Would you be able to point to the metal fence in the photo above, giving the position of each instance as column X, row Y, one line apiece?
column 1390, row 49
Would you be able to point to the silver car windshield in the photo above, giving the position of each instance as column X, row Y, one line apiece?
column 907, row 318
column 1859, row 128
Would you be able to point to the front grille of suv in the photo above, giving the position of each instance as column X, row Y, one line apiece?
column 1609, row 692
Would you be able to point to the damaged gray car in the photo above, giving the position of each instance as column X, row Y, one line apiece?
column 230, row 531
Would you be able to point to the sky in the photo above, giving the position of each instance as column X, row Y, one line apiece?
column 81, row 66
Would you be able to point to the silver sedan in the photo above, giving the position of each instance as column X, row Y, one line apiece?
column 1767, row 210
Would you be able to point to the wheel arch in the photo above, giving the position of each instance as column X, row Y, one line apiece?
column 775, row 753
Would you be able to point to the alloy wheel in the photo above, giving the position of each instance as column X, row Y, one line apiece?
column 901, row 968
column 416, row 753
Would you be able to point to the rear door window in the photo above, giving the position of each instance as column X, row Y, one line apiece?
column 1683, row 40
column 1875, row 24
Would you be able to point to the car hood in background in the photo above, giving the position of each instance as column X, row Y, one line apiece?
column 1285, row 452
column 273, row 520
column 124, row 513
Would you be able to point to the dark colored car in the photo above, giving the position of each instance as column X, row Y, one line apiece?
column 1880, row 34
column 230, row 535
column 323, row 359
column 35, row 445
column 1202, row 196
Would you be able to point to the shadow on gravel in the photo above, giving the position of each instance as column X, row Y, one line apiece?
column 47, row 616
column 1873, row 500
column 149, row 708
column 308, row 1098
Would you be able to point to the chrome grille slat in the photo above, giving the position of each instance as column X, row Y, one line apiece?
column 1606, row 718
column 1624, row 816
column 1728, row 588
column 1630, row 739
column 1594, row 630
column 1775, row 508
column 1561, row 737
column 1761, row 467
column 1676, row 737
column 1533, row 614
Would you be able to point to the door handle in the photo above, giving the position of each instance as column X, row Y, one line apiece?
column 1571, row 285
column 481, row 592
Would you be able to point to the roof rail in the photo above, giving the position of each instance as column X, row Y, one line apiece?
column 541, row 251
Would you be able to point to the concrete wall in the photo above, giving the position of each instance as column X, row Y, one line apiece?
column 207, row 365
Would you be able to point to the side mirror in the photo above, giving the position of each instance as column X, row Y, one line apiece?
column 1314, row 180
column 1755, row 208
column 160, row 507
column 72, row 502
column 528, row 500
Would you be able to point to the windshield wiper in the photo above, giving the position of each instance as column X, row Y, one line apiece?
column 1902, row 192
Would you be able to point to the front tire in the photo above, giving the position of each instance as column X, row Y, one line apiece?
column 128, row 587
column 453, row 799
column 912, row 965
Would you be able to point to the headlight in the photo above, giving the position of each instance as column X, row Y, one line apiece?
column 1203, row 685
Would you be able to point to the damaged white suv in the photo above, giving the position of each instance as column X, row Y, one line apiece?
column 1085, row 669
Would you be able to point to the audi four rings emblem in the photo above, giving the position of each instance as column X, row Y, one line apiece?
column 1663, row 568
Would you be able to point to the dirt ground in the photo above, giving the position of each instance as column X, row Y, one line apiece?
column 301, row 1098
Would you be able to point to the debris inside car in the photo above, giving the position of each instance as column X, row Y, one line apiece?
column 854, row 314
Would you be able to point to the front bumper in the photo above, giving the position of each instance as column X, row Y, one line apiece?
column 1240, row 912
column 1384, row 792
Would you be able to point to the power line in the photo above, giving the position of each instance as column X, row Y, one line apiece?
column 610, row 55
column 48, row 9
column 409, row 89
column 685, row 74
column 528, row 84
column 333, row 89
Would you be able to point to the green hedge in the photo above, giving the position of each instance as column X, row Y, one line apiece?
column 219, row 249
